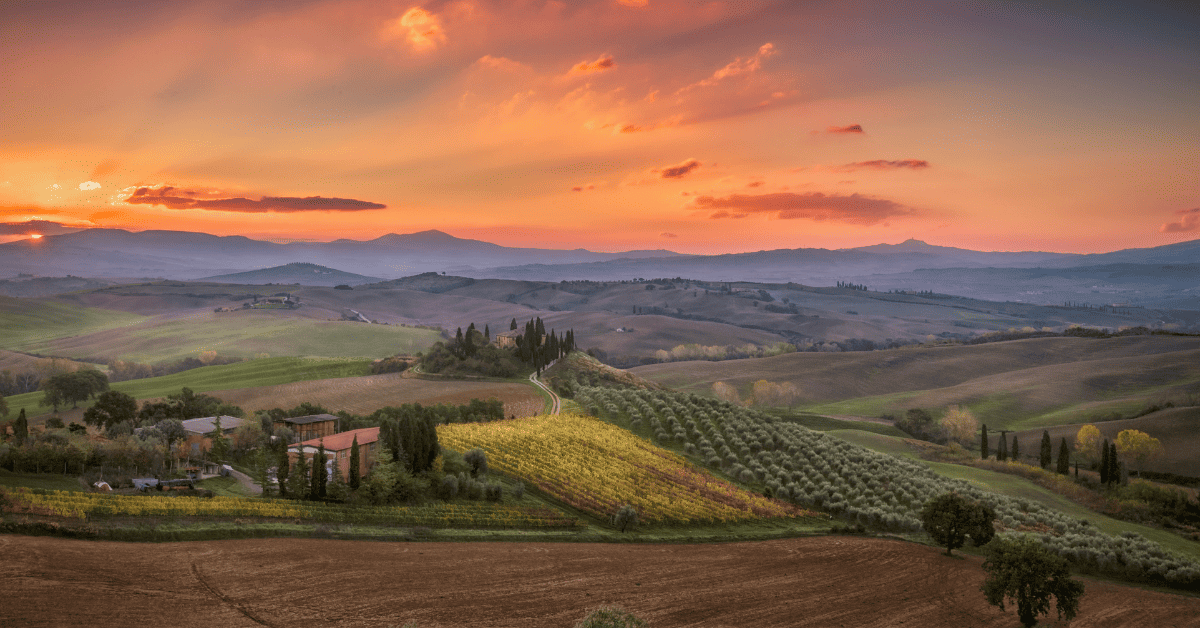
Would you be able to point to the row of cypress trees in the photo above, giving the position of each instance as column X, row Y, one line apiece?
column 1044, row 456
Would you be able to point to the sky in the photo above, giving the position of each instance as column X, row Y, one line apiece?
column 699, row 127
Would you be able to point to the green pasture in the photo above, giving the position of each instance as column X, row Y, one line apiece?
column 46, row 481
column 237, row 334
column 26, row 324
column 249, row 374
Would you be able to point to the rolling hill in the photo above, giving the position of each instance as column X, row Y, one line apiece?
column 301, row 273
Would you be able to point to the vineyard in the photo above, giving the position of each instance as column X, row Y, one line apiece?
column 86, row 506
column 815, row 470
column 597, row 467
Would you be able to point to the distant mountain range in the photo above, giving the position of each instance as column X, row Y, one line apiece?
column 116, row 253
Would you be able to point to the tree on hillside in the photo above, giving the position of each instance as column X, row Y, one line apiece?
column 1016, row 449
column 1105, row 463
column 951, row 518
column 1139, row 447
column 1087, row 444
column 1064, row 458
column 1002, row 452
column 1047, row 450
column 477, row 460
column 1021, row 570
column 3, row 407
column 21, row 428
column 513, row 325
column 983, row 444
column 111, row 407
column 959, row 425
column 355, row 464
column 72, row 387
column 283, row 470
column 625, row 518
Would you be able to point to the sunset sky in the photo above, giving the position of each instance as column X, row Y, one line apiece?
column 700, row 127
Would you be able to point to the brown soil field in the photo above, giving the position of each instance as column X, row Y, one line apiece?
column 823, row 581
column 364, row 395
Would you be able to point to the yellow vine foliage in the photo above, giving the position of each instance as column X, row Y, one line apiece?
column 597, row 467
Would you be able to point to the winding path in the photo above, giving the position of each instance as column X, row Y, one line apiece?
column 556, row 404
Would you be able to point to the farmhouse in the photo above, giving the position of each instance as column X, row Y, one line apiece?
column 507, row 339
column 311, row 426
column 200, row 431
column 337, row 446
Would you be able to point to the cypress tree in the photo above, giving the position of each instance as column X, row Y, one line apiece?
column 1016, row 449
column 983, row 444
column 314, row 479
column 1104, row 462
column 21, row 428
column 322, row 475
column 299, row 477
column 282, row 469
column 487, row 333
column 513, row 325
column 1047, row 450
column 1064, row 458
column 354, row 464
column 1114, row 464
column 1002, row 453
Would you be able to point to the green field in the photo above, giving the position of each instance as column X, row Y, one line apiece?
column 46, row 481
column 244, row 334
column 252, row 373
column 29, row 323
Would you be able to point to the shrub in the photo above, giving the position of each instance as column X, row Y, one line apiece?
column 449, row 488
column 476, row 460
column 518, row 490
column 493, row 492
column 612, row 617
column 626, row 517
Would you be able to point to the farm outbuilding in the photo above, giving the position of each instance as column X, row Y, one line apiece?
column 310, row 426
column 338, row 447
column 200, row 431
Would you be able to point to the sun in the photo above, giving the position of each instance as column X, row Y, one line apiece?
column 35, row 236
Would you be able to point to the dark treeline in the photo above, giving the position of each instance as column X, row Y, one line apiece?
column 472, row 352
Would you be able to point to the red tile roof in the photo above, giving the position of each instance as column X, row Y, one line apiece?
column 343, row 440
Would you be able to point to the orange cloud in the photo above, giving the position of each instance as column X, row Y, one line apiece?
column 103, row 168
column 853, row 209
column 883, row 164
column 421, row 29
column 852, row 128
column 736, row 67
column 681, row 170
column 1189, row 221
column 634, row 3
column 605, row 62
column 176, row 198
column 580, row 188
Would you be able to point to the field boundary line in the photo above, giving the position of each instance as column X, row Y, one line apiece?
column 249, row 615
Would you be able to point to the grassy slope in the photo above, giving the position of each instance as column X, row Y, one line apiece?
column 263, row 372
column 1019, row 384
column 47, row 481
column 26, row 324
column 1018, row 487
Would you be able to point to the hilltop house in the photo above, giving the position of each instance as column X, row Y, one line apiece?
column 311, row 426
column 338, row 446
column 200, row 431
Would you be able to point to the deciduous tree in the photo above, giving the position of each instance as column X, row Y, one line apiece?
column 1087, row 444
column 111, row 407
column 1023, row 571
column 951, row 518
column 625, row 518
column 959, row 425
column 1139, row 447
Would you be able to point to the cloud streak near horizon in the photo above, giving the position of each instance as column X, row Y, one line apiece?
column 1189, row 221
column 851, row 209
column 177, row 198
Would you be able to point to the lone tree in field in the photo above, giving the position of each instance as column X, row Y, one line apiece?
column 612, row 617
column 951, row 518
column 1023, row 571
column 983, row 444
column 625, row 518
column 1064, row 458
column 1047, row 450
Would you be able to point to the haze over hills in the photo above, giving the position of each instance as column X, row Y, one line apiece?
column 297, row 272
column 1152, row 277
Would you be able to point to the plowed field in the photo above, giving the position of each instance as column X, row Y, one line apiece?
column 826, row 581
